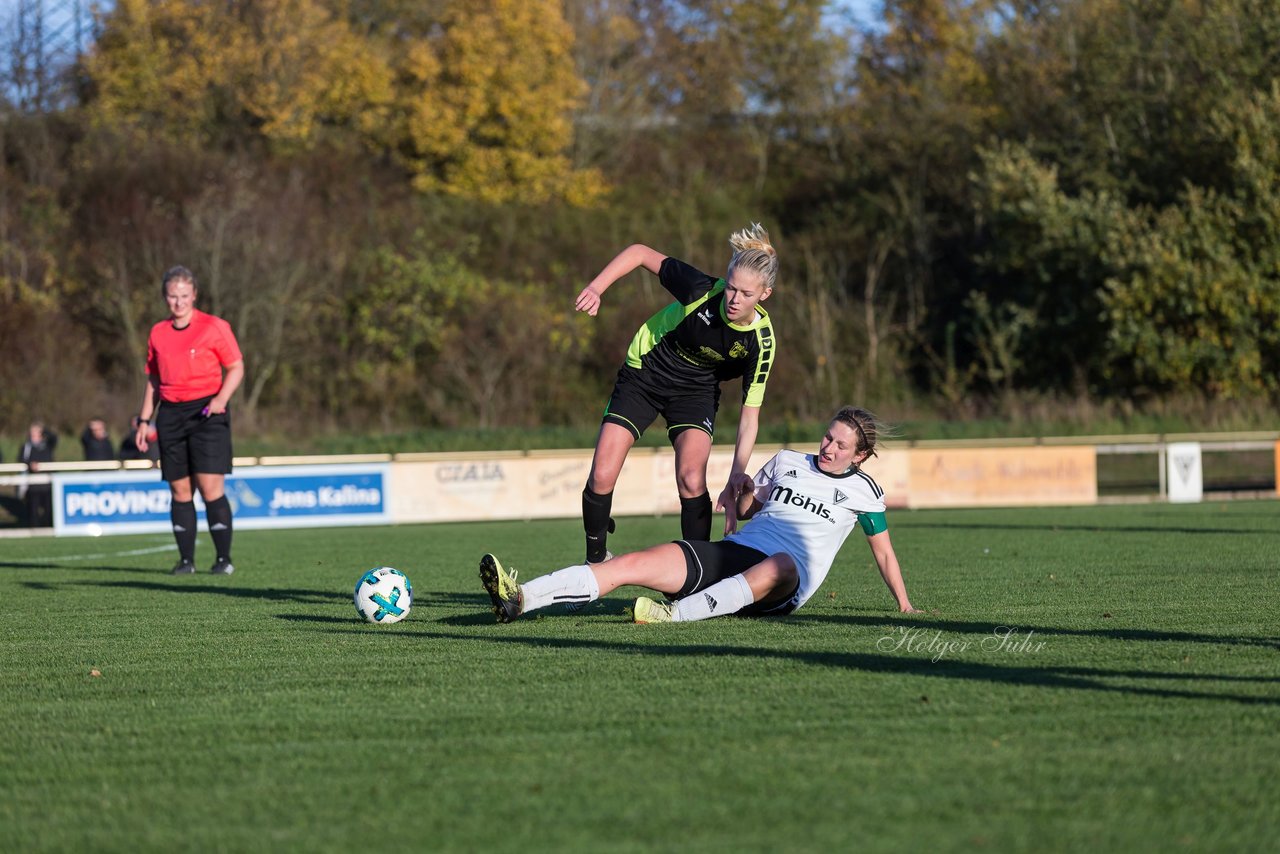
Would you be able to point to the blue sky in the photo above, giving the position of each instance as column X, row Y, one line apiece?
column 57, row 11
column 865, row 10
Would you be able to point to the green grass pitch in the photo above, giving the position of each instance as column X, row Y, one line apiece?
column 1131, row 701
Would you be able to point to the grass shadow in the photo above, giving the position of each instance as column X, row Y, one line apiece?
column 270, row 594
column 449, row 598
column 1050, row 676
column 599, row 608
column 1053, row 676
column 900, row 522
column 353, row 624
column 318, row 618
column 80, row 568
column 929, row 623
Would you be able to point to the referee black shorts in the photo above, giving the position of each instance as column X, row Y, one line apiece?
column 192, row 442
column 638, row 399
column 706, row 563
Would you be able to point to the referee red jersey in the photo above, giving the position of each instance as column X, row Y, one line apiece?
column 189, row 361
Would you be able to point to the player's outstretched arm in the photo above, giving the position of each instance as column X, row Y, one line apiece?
column 632, row 258
column 887, row 560
column 748, row 429
column 738, row 501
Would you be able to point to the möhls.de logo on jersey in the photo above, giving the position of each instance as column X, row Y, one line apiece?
column 798, row 499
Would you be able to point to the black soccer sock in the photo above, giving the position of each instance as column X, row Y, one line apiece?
column 596, row 523
column 695, row 517
column 218, row 513
column 183, row 514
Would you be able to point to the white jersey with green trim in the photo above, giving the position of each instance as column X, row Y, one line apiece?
column 807, row 513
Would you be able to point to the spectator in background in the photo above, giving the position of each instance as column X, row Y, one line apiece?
column 129, row 445
column 96, row 442
column 39, row 447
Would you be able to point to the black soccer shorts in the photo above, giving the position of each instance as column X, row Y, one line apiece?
column 706, row 563
column 192, row 442
column 638, row 399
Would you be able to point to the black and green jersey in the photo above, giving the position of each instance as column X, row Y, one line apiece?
column 691, row 342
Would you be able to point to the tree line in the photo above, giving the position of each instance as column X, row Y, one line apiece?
column 395, row 202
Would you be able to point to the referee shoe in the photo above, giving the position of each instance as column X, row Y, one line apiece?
column 222, row 566
column 183, row 567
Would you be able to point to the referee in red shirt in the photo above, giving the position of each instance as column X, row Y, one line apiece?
column 193, row 367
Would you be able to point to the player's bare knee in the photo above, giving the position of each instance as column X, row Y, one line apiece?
column 776, row 572
column 784, row 570
column 603, row 478
column 692, row 483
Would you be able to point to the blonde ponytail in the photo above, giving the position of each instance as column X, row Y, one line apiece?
column 753, row 251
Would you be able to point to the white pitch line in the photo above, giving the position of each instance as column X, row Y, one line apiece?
column 130, row 553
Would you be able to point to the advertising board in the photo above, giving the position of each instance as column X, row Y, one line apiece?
column 125, row 502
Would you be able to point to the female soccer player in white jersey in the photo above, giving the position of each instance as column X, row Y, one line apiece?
column 802, row 507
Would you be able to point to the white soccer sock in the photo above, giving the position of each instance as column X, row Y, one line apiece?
column 571, row 584
column 724, row 597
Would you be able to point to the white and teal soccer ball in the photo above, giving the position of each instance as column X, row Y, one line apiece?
column 383, row 595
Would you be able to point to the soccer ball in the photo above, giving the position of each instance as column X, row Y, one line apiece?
column 383, row 595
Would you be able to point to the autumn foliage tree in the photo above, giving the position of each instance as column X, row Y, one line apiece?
column 279, row 70
column 484, row 100
column 473, row 100
column 980, row 205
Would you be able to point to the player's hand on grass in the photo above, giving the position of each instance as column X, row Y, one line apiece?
column 588, row 301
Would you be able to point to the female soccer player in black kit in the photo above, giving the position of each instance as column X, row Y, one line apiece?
column 715, row 331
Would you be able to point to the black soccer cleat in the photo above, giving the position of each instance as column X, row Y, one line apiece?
column 222, row 566
column 183, row 567
column 504, row 592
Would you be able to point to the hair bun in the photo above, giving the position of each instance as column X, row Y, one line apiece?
column 755, row 237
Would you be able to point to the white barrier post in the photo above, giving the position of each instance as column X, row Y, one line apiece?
column 1186, row 478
